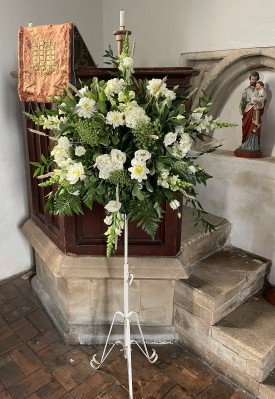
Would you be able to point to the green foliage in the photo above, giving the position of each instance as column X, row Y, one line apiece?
column 147, row 214
column 67, row 204
column 43, row 167
column 88, row 131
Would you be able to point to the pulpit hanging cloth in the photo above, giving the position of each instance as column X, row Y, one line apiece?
column 45, row 61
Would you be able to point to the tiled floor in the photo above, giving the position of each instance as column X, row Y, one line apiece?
column 35, row 363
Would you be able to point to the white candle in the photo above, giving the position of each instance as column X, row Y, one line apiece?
column 121, row 18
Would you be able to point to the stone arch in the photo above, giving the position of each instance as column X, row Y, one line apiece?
column 221, row 71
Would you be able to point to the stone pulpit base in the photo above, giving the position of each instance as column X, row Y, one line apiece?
column 82, row 293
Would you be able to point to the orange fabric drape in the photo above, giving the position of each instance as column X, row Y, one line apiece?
column 45, row 61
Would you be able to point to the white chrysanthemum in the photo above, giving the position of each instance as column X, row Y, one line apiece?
column 170, row 138
column 75, row 173
column 174, row 204
column 79, row 151
column 134, row 115
column 156, row 87
column 85, row 107
column 118, row 157
column 139, row 170
column 115, row 118
column 114, row 86
column 142, row 155
column 113, row 206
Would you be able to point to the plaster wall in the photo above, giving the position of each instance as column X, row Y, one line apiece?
column 164, row 29
column 15, row 252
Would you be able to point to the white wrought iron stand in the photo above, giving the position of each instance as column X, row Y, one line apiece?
column 126, row 319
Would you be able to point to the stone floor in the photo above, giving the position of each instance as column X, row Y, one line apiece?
column 35, row 363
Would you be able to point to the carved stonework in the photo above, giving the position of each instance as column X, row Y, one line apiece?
column 221, row 71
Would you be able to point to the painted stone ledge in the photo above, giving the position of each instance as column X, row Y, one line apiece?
column 146, row 267
column 81, row 293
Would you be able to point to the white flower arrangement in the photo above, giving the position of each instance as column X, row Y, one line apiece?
column 125, row 144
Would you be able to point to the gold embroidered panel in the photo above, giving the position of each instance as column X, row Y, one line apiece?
column 45, row 61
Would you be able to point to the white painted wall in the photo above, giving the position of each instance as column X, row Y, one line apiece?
column 164, row 29
column 243, row 191
column 15, row 252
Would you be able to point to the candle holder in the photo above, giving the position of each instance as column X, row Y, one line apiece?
column 120, row 38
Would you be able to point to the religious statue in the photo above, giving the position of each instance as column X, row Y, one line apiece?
column 251, row 108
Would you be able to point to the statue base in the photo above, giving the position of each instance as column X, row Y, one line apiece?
column 241, row 153
column 269, row 295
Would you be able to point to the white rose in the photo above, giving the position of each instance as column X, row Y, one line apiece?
column 79, row 151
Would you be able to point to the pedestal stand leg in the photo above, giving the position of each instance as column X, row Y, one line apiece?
column 125, row 317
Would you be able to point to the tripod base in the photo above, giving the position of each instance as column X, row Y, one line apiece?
column 151, row 358
column 126, row 345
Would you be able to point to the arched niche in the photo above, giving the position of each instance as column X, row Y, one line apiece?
column 223, row 75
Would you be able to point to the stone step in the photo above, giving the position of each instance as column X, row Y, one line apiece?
column 242, row 345
column 267, row 388
column 196, row 244
column 220, row 283
column 249, row 331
